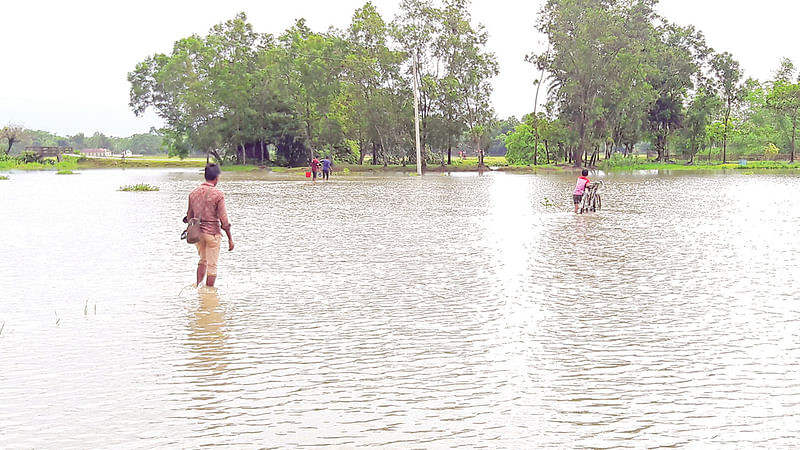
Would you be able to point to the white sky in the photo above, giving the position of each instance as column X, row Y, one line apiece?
column 64, row 63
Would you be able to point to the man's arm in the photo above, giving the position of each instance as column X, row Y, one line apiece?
column 225, row 224
column 188, row 211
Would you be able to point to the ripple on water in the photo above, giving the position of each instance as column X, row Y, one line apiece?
column 403, row 312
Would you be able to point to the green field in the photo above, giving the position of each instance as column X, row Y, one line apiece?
column 617, row 164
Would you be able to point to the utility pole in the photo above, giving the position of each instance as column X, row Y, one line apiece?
column 416, row 113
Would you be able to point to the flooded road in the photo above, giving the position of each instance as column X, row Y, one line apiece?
column 403, row 312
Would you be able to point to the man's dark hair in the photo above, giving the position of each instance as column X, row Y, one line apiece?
column 584, row 172
column 212, row 172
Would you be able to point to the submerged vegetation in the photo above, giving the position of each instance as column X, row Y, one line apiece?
column 141, row 187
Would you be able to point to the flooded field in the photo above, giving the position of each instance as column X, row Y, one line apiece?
column 403, row 312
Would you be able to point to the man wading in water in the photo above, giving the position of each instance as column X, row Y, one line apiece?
column 207, row 203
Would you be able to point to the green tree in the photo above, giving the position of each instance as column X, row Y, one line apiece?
column 675, row 67
column 203, row 89
column 100, row 140
column 728, row 76
column 784, row 99
column 369, row 102
column 521, row 144
column 701, row 108
column 12, row 133
column 595, row 48
column 469, row 69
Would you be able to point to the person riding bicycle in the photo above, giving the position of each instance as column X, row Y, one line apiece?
column 580, row 188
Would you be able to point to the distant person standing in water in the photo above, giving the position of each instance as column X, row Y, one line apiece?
column 580, row 188
column 207, row 203
column 314, row 168
column 327, row 165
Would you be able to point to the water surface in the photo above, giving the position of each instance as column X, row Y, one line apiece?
column 403, row 312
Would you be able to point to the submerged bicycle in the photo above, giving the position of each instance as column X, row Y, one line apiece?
column 591, row 201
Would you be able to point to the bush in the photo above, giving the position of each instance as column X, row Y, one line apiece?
column 617, row 160
column 770, row 152
column 28, row 157
column 281, row 161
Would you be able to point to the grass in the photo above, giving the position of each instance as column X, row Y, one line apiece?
column 237, row 168
column 4, row 177
column 67, row 163
column 65, row 172
column 141, row 187
column 619, row 163
column 13, row 164
column 131, row 163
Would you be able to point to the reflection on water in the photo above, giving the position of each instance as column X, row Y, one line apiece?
column 403, row 312
column 207, row 335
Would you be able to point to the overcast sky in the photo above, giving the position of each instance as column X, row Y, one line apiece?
column 64, row 63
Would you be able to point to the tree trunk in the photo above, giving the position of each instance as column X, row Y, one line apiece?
column 449, row 150
column 374, row 154
column 547, row 152
column 480, row 153
column 725, row 135
column 579, row 150
column 383, row 147
column 423, row 141
column 794, row 132
column 216, row 157
column 595, row 156
column 308, row 130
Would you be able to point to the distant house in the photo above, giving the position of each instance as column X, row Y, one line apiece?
column 96, row 152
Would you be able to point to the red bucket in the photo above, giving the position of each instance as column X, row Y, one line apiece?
column 308, row 174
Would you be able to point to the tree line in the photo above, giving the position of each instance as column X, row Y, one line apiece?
column 17, row 137
column 615, row 74
column 619, row 74
column 241, row 95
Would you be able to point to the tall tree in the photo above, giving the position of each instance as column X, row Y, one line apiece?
column 700, row 110
column 594, row 44
column 676, row 58
column 728, row 78
column 784, row 98
column 415, row 29
column 12, row 133
column 466, row 88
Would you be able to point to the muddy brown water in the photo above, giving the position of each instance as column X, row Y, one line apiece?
column 403, row 312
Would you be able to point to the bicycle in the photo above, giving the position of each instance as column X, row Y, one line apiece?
column 591, row 201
